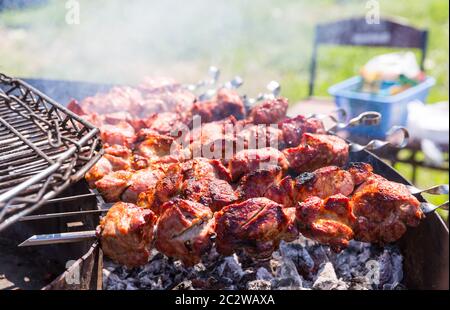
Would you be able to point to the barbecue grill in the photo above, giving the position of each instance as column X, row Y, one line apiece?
column 425, row 248
column 44, row 147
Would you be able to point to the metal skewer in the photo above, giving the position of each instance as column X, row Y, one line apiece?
column 63, row 214
column 68, row 237
column 442, row 189
column 274, row 89
column 337, row 116
column 235, row 83
column 370, row 118
column 429, row 207
column 80, row 236
column 378, row 144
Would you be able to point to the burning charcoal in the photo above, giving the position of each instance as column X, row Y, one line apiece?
column 249, row 276
column 231, row 268
column 301, row 264
column 351, row 262
column 365, row 255
column 259, row 285
column 275, row 262
column 360, row 283
column 263, row 274
column 299, row 255
column 114, row 282
column 185, row 285
column 397, row 266
column 357, row 246
column 199, row 268
column 106, row 274
column 343, row 265
column 131, row 287
column 327, row 279
column 390, row 269
column 320, row 254
column 287, row 276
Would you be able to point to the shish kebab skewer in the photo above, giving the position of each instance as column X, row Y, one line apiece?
column 254, row 203
column 354, row 122
column 79, row 236
column 366, row 118
column 442, row 189
column 247, row 212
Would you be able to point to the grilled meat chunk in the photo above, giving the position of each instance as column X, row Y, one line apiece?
column 247, row 161
column 206, row 181
column 316, row 151
column 118, row 163
column 227, row 102
column 294, row 128
column 213, row 140
column 165, row 123
column 270, row 111
column 119, row 156
column 141, row 181
column 126, row 234
column 159, row 148
column 100, row 169
column 256, row 226
column 126, row 185
column 121, row 133
column 117, row 151
column 256, row 183
column 259, row 136
column 112, row 186
column 212, row 192
column 328, row 221
column 115, row 158
column 185, row 231
column 166, row 187
column 324, row 182
column 284, row 192
column 360, row 172
column 199, row 168
column 118, row 99
column 384, row 209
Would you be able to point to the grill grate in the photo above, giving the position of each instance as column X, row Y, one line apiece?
column 43, row 148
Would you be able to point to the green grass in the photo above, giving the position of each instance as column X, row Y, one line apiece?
column 259, row 40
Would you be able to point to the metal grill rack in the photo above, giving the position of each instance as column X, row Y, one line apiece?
column 44, row 147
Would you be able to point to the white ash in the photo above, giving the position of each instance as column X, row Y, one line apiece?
column 327, row 279
column 298, row 265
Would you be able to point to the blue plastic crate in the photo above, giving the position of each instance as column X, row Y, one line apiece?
column 394, row 109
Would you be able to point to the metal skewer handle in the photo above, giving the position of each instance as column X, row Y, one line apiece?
column 213, row 73
column 370, row 118
column 68, row 237
column 274, row 89
column 337, row 116
column 428, row 207
column 390, row 140
column 434, row 190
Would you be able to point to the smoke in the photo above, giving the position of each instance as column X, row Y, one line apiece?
column 122, row 41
